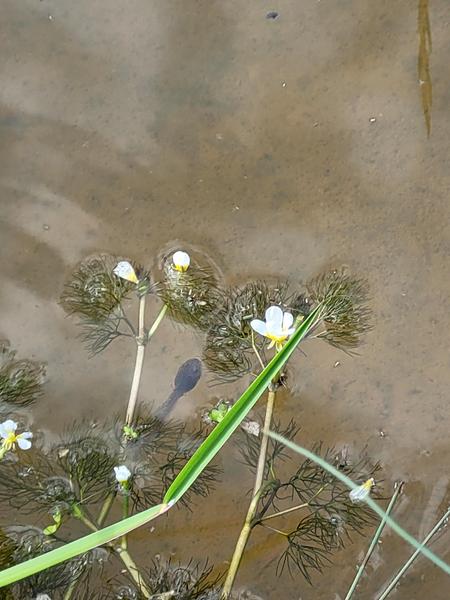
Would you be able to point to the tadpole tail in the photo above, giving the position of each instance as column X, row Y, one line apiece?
column 168, row 405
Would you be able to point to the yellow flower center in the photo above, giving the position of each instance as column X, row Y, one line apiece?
column 276, row 338
column 180, row 268
column 9, row 441
column 367, row 485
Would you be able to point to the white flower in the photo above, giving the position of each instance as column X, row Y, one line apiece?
column 181, row 261
column 277, row 326
column 10, row 438
column 125, row 270
column 361, row 492
column 123, row 474
column 251, row 427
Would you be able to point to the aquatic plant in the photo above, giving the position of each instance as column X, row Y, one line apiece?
column 20, row 380
column 143, row 463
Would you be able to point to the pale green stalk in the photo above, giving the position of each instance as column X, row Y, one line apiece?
column 373, row 505
column 376, row 537
column 107, row 504
column 257, row 489
column 410, row 561
column 140, row 353
column 141, row 341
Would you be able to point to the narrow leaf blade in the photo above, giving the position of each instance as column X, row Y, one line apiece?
column 80, row 546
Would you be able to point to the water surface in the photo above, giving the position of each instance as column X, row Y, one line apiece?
column 279, row 147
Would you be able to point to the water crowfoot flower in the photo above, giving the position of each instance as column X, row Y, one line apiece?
column 123, row 474
column 10, row 438
column 360, row 493
column 277, row 327
column 124, row 270
column 181, row 261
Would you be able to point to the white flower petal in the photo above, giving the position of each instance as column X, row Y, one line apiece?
column 361, row 492
column 23, row 443
column 26, row 435
column 275, row 330
column 7, row 427
column 125, row 270
column 123, row 473
column 259, row 326
column 288, row 319
column 181, row 260
column 274, row 317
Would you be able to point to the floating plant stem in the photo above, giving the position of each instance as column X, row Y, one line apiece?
column 240, row 545
column 413, row 557
column 372, row 504
column 125, row 514
column 140, row 340
column 157, row 321
column 107, row 504
column 257, row 490
column 133, row 570
column 70, row 590
column 292, row 508
column 79, row 514
column 373, row 543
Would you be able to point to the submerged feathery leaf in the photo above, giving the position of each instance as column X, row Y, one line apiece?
column 20, row 380
column 88, row 459
column 95, row 293
column 192, row 581
column 346, row 316
column 93, row 290
column 228, row 350
column 331, row 516
column 190, row 292
column 29, row 542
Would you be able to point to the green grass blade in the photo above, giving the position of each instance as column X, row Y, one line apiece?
column 373, row 505
column 374, row 541
column 221, row 433
column 84, row 544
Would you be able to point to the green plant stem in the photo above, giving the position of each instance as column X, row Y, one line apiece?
column 125, row 513
column 70, row 590
column 283, row 533
column 257, row 490
column 283, row 512
column 413, row 557
column 107, row 504
column 255, row 349
column 373, row 543
column 140, row 353
column 79, row 514
column 133, row 570
column 157, row 321
column 141, row 341
column 292, row 508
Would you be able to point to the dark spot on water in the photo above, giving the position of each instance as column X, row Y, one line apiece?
column 272, row 15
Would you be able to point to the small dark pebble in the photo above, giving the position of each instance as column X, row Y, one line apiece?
column 272, row 15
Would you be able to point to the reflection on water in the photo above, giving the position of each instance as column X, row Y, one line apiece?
column 423, row 65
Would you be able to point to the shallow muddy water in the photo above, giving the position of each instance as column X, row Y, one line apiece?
column 278, row 147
